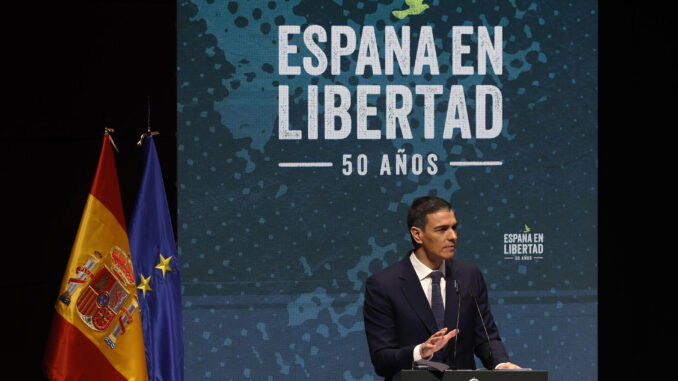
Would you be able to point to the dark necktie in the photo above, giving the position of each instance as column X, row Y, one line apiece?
column 437, row 299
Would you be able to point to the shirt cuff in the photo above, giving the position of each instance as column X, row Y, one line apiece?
column 501, row 363
column 416, row 355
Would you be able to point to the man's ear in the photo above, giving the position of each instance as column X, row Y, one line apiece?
column 416, row 233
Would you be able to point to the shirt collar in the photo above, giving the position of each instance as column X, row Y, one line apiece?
column 421, row 269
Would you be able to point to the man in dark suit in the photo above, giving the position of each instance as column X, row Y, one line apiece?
column 412, row 307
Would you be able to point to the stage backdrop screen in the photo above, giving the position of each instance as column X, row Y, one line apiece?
column 307, row 127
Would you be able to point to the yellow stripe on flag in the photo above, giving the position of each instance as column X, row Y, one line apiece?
column 98, row 291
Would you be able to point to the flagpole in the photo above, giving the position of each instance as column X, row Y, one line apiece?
column 148, row 132
column 148, row 115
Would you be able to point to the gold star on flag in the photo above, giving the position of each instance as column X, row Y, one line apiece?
column 145, row 286
column 164, row 264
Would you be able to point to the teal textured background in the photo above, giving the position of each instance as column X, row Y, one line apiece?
column 274, row 259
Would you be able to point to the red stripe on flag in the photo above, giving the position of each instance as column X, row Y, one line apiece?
column 71, row 356
column 105, row 187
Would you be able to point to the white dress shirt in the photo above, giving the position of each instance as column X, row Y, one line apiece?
column 423, row 273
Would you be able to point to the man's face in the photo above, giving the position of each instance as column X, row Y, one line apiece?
column 438, row 239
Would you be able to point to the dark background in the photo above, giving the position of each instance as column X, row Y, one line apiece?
column 77, row 67
column 636, row 170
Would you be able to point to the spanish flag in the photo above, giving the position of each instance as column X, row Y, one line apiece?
column 96, row 331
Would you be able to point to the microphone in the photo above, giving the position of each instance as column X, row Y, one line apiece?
column 458, row 292
column 489, row 347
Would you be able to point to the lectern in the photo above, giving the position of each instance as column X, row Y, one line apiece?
column 473, row 375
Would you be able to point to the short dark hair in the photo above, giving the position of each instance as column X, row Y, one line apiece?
column 420, row 208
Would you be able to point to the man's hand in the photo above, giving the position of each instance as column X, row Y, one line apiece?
column 508, row 365
column 436, row 342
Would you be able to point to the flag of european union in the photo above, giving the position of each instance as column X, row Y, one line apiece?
column 157, row 272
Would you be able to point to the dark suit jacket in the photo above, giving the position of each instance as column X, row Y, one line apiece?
column 398, row 318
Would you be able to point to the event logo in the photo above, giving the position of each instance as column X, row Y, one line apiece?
column 415, row 7
column 108, row 284
column 524, row 246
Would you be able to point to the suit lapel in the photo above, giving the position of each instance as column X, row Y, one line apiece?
column 411, row 288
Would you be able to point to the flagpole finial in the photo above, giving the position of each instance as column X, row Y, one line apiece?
column 108, row 132
column 146, row 134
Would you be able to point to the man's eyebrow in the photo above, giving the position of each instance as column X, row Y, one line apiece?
column 445, row 226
